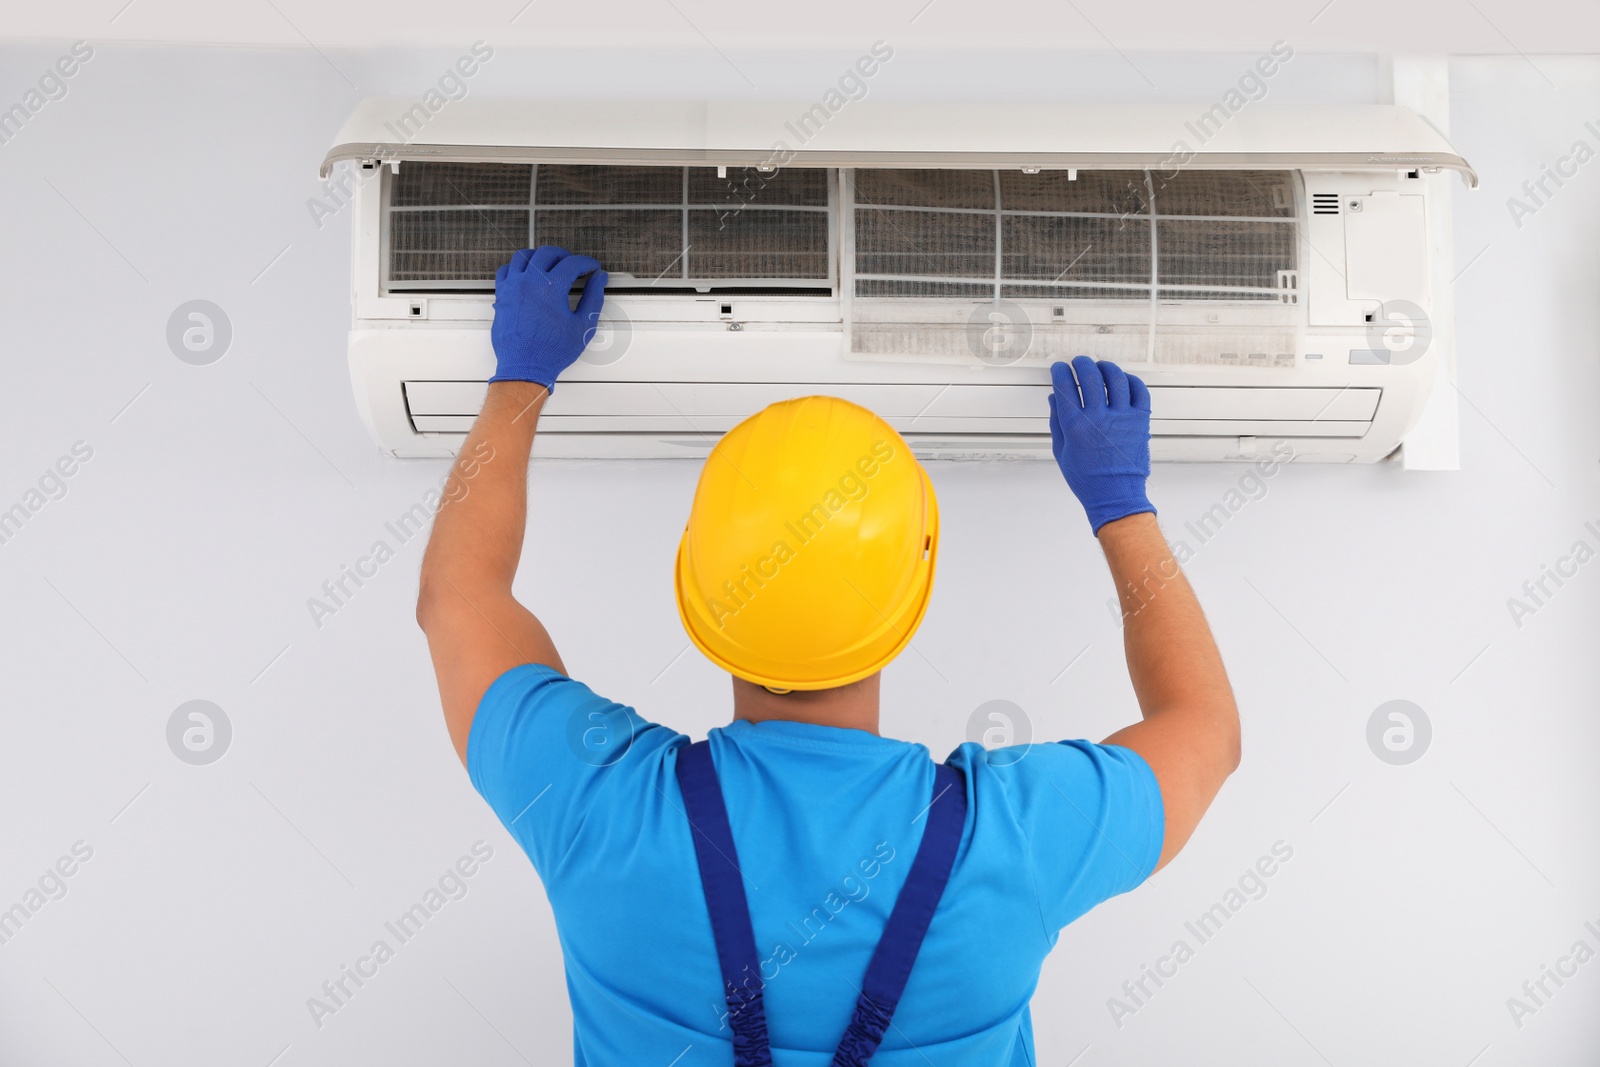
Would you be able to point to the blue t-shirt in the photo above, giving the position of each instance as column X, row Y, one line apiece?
column 826, row 821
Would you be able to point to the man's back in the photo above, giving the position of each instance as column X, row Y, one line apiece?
column 804, row 569
column 826, row 822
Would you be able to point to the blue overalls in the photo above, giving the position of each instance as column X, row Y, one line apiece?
column 897, row 949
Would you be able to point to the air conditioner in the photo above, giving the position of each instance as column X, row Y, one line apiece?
column 1268, row 273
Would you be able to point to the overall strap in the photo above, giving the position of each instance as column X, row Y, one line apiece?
column 897, row 949
column 896, row 952
column 725, row 900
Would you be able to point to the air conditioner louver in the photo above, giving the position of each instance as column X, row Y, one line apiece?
column 641, row 407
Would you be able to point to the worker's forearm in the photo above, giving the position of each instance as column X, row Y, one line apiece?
column 1172, row 658
column 477, row 533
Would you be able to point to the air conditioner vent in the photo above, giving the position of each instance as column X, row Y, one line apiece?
column 435, row 406
column 451, row 225
column 1324, row 203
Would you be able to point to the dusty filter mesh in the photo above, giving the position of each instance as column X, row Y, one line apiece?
column 934, row 233
column 451, row 225
column 455, row 221
column 929, row 234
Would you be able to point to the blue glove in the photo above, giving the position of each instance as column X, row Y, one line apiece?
column 536, row 334
column 1101, row 441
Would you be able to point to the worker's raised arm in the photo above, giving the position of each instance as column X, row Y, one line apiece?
column 1100, row 428
column 1190, row 732
column 476, row 629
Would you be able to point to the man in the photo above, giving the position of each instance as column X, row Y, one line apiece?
column 798, row 890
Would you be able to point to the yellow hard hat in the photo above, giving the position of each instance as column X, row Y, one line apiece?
column 808, row 557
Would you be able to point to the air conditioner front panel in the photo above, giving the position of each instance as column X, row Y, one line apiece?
column 421, row 383
column 890, row 134
column 931, row 281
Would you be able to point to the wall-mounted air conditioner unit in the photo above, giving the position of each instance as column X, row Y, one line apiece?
column 1270, row 279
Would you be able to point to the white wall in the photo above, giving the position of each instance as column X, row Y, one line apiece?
column 178, row 566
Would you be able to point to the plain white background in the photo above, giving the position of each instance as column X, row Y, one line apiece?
column 220, row 498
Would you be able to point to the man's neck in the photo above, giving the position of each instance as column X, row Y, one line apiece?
column 853, row 706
